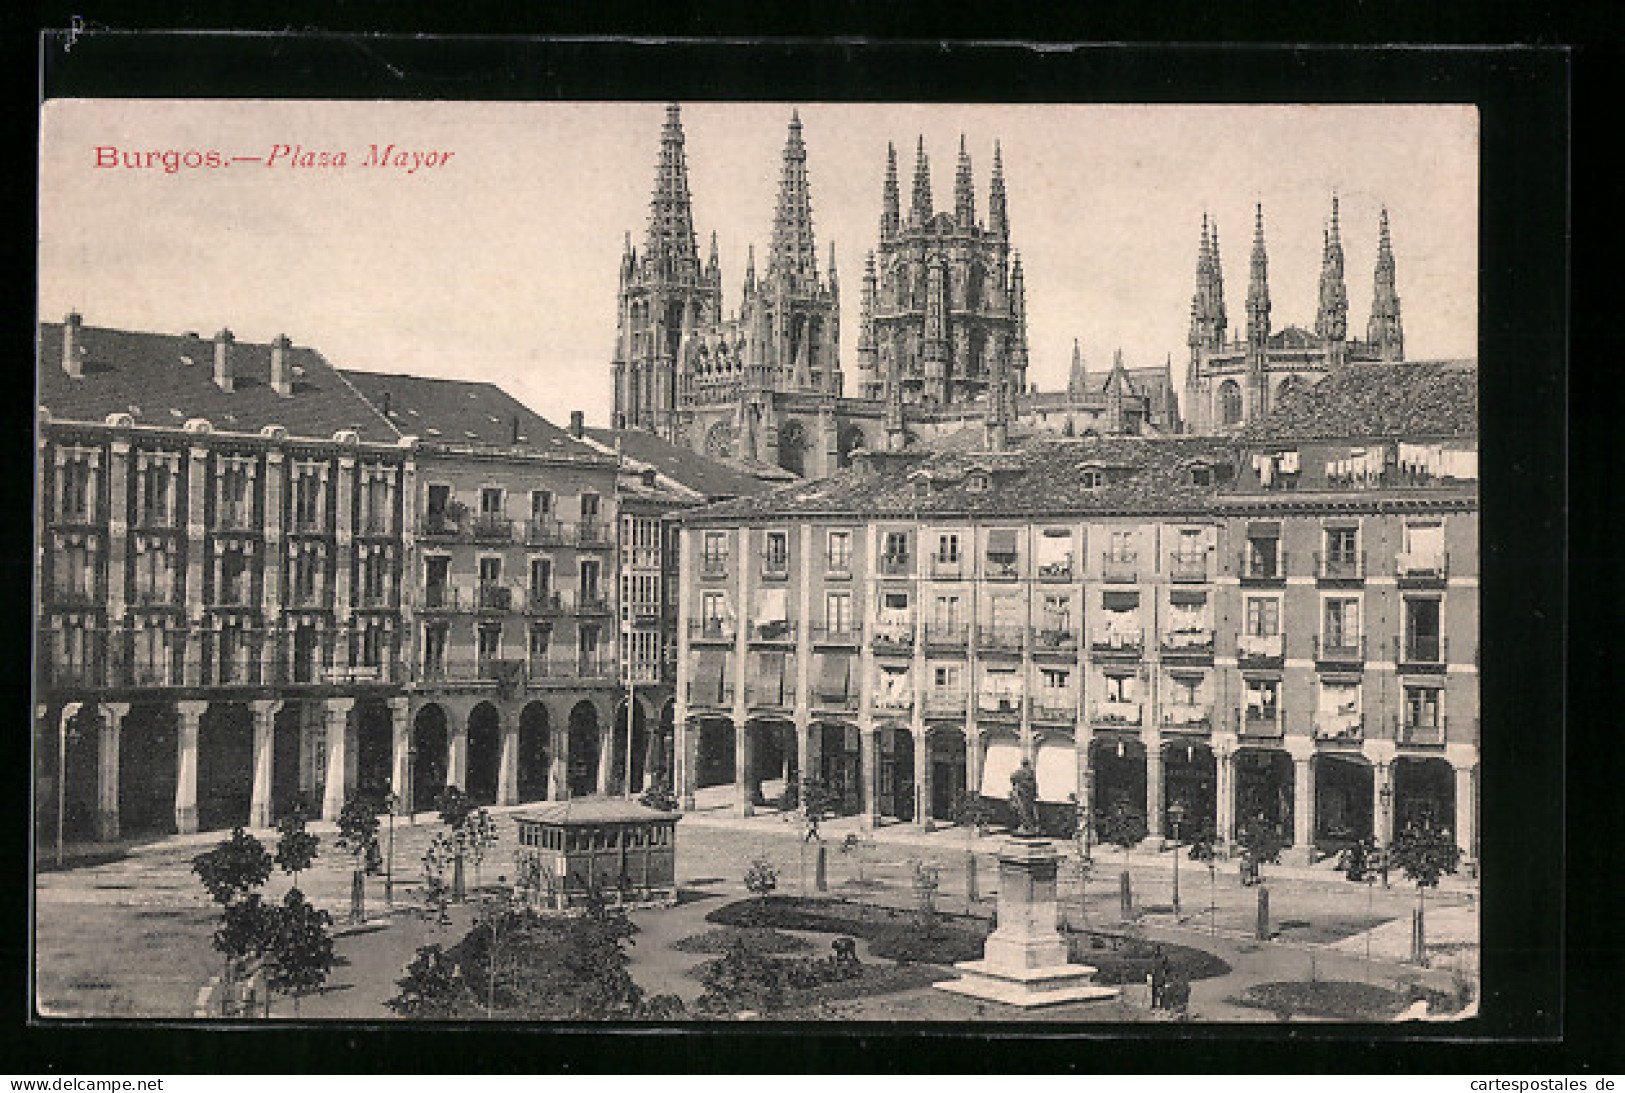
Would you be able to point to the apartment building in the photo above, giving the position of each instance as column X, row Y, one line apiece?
column 221, row 531
column 1113, row 610
column 511, row 678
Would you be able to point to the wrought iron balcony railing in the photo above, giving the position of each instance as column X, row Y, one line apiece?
column 1345, row 566
column 1120, row 568
column 1188, row 567
column 1260, row 567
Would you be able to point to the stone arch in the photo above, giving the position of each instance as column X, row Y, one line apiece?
column 1190, row 778
column 793, row 447
column 619, row 782
column 714, row 752
column 1424, row 788
column 375, row 745
column 583, row 750
column 77, row 771
column 286, row 728
column 840, row 764
column 535, row 751
column 484, row 753
column 1344, row 787
column 1119, row 777
column 148, row 745
column 225, row 766
column 1230, row 409
column 896, row 747
column 1264, row 790
column 431, row 742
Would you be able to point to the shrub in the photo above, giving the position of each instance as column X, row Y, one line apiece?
column 659, row 795
column 233, row 868
column 761, row 878
column 296, row 849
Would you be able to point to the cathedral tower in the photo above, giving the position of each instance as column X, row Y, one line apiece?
column 1332, row 319
column 1384, row 330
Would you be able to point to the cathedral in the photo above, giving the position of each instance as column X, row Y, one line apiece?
column 1230, row 382
column 942, row 334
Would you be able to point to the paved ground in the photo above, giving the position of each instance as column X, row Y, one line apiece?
column 130, row 936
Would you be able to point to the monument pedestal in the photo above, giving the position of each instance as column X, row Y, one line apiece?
column 1024, row 962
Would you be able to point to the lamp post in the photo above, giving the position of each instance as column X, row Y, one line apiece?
column 1176, row 816
column 1386, row 796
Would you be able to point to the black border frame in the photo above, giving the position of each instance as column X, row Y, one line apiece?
column 1523, row 97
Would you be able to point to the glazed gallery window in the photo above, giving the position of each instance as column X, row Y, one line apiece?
column 948, row 548
column 1342, row 628
column 776, row 551
column 491, row 501
column 714, row 551
column 1263, row 616
column 75, row 481
column 838, row 611
column 896, row 546
column 838, row 551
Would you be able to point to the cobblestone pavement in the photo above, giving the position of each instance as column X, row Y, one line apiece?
column 130, row 935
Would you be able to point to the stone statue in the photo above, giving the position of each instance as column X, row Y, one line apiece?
column 1024, row 798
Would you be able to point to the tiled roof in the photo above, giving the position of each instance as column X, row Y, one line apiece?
column 590, row 811
column 463, row 412
column 1413, row 399
column 1042, row 477
column 712, row 478
column 167, row 379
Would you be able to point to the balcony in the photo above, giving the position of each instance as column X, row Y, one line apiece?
column 714, row 569
column 1120, row 640
column 82, row 596
column 1003, row 704
column 1422, row 569
column 835, row 700
column 1052, row 709
column 592, row 533
column 1189, row 642
column 711, row 630
column 1422, row 654
column 358, row 673
column 1344, row 568
column 771, row 696
column 1188, row 718
column 308, row 523
column 947, row 637
column 235, row 518
column 849, row 635
column 439, row 525
column 712, row 695
column 544, row 601
column 775, row 568
column 1054, row 641
column 376, row 524
column 309, row 598
column 1055, row 571
column 1262, row 569
column 893, row 638
column 894, row 702
column 644, row 614
column 1260, row 650
column 1000, row 569
column 774, row 631
column 945, row 703
column 1115, row 714
column 1008, row 640
column 592, row 602
column 896, row 565
column 1422, row 734
column 1340, row 649
column 494, row 597
column 442, row 597
column 1188, row 568
column 947, row 569
column 1261, row 722
column 491, row 528
column 376, row 599
column 1120, row 568
column 232, row 594
column 595, row 669
column 544, row 531
column 1339, row 729
column 155, row 519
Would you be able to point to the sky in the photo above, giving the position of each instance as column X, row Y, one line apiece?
column 502, row 262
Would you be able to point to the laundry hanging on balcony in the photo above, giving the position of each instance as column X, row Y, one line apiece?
column 710, row 678
column 834, row 678
column 1339, row 712
column 773, row 614
column 769, row 681
column 1001, row 545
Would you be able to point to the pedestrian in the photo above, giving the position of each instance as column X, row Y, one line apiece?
column 1159, row 977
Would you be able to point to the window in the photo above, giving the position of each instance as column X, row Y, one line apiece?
column 1185, row 690
column 541, row 637
column 1121, row 546
column 587, row 648
column 713, row 611
column 490, row 569
column 1263, row 616
column 1423, row 548
column 945, row 677
column 1422, row 640
column 714, row 552
column 436, row 578
column 1055, row 553
column 374, row 576
column 976, row 482
column 541, row 576
column 439, row 501
column 1201, row 475
column 541, row 504
column 948, row 548
column 1229, row 402
column 491, row 501
column 1342, row 548
column 373, row 640
column 1091, row 479
column 488, row 640
column 307, row 499
column 233, row 587
column 1422, row 711
column 838, row 611
column 838, row 551
column 589, row 573
column 76, row 484
column 1056, row 615
column 1054, row 679
column 1261, row 701
column 1342, row 628
column 589, row 508
column 776, row 552
column 1339, row 714
column 154, row 571
column 1263, row 556
column 1119, row 688
column 155, row 481
column 946, row 615
column 896, row 547
column 1001, row 551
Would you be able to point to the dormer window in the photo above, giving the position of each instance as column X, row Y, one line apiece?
column 1092, row 478
column 976, row 482
column 1200, row 475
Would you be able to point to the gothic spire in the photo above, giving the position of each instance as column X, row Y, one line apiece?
column 1384, row 331
column 1218, row 284
column 997, row 219
column 889, row 200
column 1078, row 382
column 834, row 280
column 920, row 210
column 1202, row 298
column 794, row 255
column 1332, row 320
column 671, row 248
column 964, row 195
column 750, row 267
column 866, row 306
column 1258, row 286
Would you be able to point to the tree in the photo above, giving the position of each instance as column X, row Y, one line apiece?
column 455, row 808
column 479, row 836
column 296, row 849
column 761, row 878
column 235, row 867
column 817, row 805
column 1261, row 844
column 436, row 893
column 432, row 985
column 974, row 813
column 358, row 833
column 300, row 955
column 659, row 794
column 1425, row 852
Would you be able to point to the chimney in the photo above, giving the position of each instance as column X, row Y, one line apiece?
column 385, row 406
column 71, row 364
column 515, row 429
column 223, row 377
column 578, row 424
column 281, row 373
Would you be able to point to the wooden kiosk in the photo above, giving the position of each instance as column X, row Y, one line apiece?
column 624, row 850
